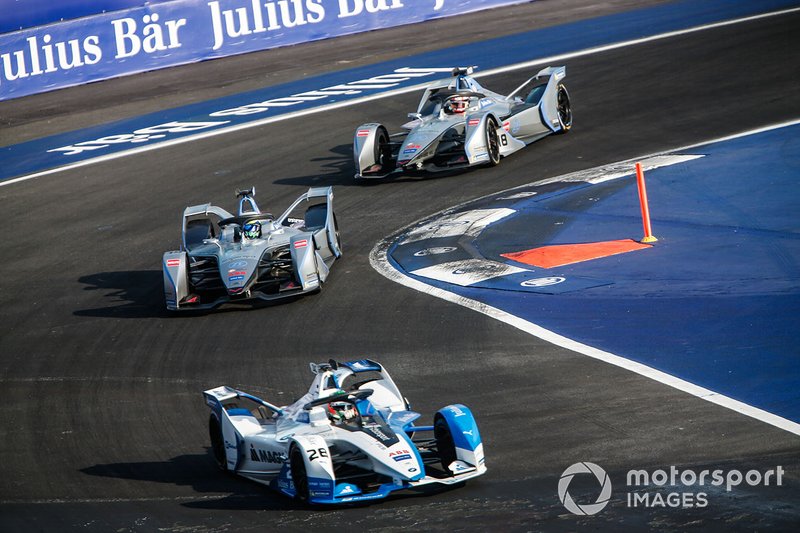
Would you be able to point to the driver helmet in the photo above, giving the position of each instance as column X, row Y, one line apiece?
column 456, row 104
column 341, row 412
column 252, row 230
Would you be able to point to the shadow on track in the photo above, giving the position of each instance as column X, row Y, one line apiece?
column 201, row 474
column 343, row 171
column 140, row 293
column 341, row 167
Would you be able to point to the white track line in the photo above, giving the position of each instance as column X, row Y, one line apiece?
column 389, row 94
column 379, row 261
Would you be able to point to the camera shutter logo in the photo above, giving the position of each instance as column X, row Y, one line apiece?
column 602, row 499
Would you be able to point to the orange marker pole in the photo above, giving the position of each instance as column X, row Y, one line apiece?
column 648, row 231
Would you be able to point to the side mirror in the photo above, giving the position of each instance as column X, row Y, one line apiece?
column 415, row 116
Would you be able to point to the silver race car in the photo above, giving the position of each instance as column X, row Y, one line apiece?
column 251, row 255
column 459, row 124
column 350, row 438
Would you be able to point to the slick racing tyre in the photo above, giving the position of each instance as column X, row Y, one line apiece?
column 564, row 109
column 492, row 142
column 444, row 443
column 217, row 443
column 297, row 464
column 383, row 152
column 336, row 234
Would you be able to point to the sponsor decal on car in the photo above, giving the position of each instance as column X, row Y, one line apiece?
column 485, row 102
column 173, row 262
column 235, row 278
column 400, row 455
column 473, row 122
column 302, row 243
column 362, row 133
column 456, row 411
column 234, row 272
column 409, row 151
column 413, row 146
column 262, row 456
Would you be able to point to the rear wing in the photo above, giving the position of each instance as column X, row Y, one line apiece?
column 220, row 397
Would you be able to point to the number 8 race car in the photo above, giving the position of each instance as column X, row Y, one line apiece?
column 350, row 438
column 458, row 123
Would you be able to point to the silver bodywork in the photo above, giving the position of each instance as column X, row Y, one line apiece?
column 218, row 263
column 493, row 126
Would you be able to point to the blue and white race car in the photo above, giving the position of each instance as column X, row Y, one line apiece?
column 350, row 438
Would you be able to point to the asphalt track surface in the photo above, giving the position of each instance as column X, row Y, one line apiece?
column 103, row 424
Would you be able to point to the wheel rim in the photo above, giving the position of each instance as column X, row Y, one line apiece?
column 564, row 109
column 493, row 143
column 383, row 155
column 299, row 475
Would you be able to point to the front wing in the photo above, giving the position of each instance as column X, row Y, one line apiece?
column 475, row 150
column 177, row 291
column 343, row 492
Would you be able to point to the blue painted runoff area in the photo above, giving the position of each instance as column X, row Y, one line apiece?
column 716, row 301
column 37, row 155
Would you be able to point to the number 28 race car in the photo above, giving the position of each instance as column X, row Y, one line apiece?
column 350, row 438
column 252, row 255
column 458, row 123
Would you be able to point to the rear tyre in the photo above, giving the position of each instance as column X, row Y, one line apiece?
column 492, row 142
column 299, row 477
column 444, row 443
column 217, row 443
column 564, row 109
column 336, row 234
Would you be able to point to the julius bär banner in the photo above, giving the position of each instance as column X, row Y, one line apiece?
column 183, row 31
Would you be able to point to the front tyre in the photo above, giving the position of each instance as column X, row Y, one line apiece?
column 492, row 142
column 564, row 109
column 383, row 151
column 444, row 443
column 297, row 464
column 217, row 443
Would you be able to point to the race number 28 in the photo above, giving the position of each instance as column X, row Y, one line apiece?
column 314, row 454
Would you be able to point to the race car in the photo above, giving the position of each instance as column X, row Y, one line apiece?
column 350, row 438
column 251, row 255
column 458, row 124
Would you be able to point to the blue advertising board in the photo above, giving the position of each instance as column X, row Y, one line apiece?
column 159, row 35
column 20, row 14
